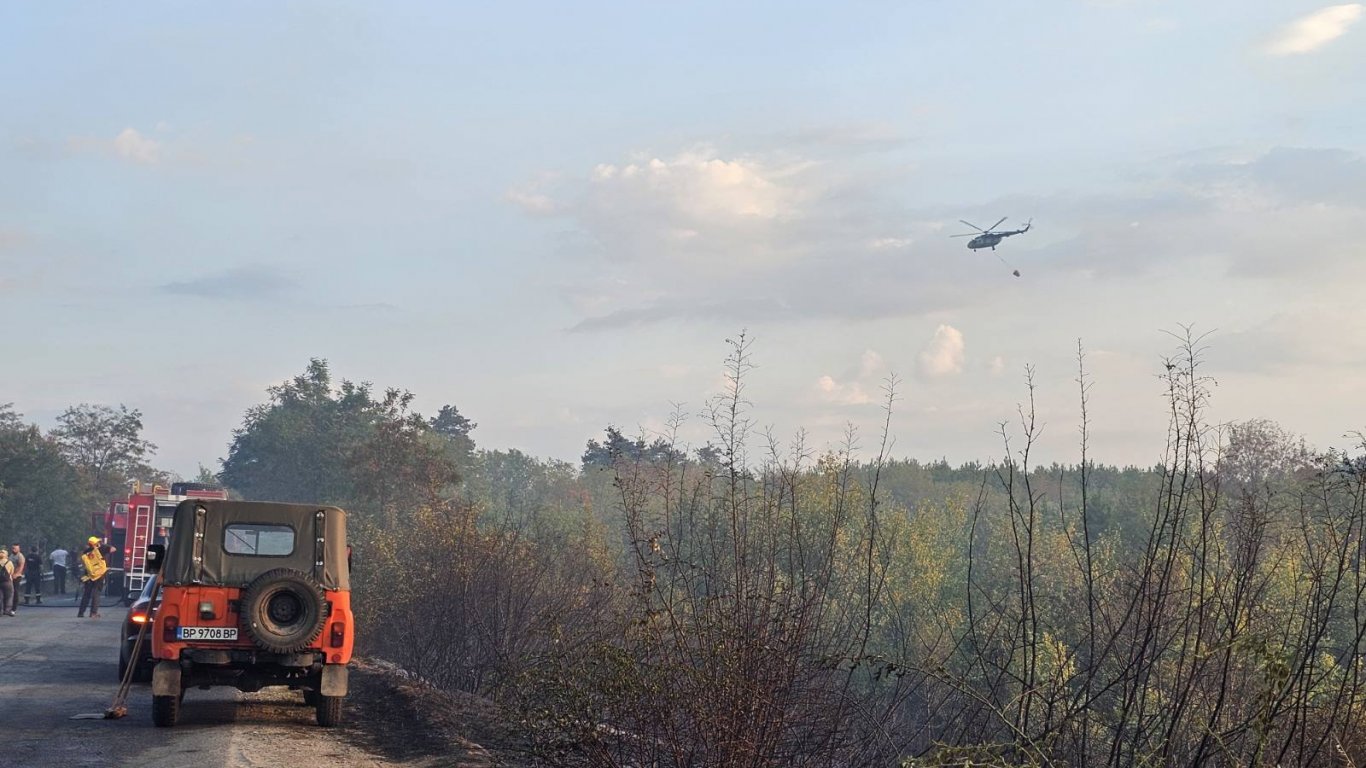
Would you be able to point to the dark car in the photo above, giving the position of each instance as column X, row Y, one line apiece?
column 132, row 624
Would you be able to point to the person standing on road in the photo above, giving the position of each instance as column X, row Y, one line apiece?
column 33, row 575
column 58, row 560
column 92, row 559
column 6, row 583
column 16, row 556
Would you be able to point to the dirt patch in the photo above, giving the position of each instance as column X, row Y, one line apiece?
column 411, row 722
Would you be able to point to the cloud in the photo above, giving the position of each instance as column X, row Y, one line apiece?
column 1287, row 174
column 860, row 385
column 1312, row 32
column 890, row 243
column 695, row 186
column 692, row 210
column 129, row 145
column 533, row 199
column 849, row 393
column 238, row 283
column 870, row 364
column 1237, row 215
column 943, row 355
column 743, row 238
column 1288, row 340
column 533, row 202
column 728, row 240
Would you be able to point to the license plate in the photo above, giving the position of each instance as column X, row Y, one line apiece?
column 206, row 633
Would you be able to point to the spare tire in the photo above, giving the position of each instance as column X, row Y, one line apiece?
column 283, row 610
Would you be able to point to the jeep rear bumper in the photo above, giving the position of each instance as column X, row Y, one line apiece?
column 249, row 671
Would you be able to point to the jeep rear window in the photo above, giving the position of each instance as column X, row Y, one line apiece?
column 258, row 539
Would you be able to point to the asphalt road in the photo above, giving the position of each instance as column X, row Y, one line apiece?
column 54, row 665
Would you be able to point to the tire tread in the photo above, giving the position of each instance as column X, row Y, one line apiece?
column 165, row 711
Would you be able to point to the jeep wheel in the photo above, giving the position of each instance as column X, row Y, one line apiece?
column 283, row 610
column 329, row 711
column 166, row 710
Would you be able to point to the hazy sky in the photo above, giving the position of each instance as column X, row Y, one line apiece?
column 552, row 215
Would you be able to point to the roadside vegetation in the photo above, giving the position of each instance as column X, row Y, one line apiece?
column 757, row 602
column 51, row 482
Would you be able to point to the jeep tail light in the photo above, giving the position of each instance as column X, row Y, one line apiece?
column 338, row 634
column 168, row 629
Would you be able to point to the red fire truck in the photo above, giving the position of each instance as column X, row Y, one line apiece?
column 141, row 519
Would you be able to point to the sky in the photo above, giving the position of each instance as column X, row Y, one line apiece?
column 554, row 216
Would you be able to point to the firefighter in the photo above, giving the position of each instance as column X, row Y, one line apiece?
column 16, row 556
column 33, row 575
column 95, row 567
column 6, row 582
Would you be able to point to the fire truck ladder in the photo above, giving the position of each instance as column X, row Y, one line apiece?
column 139, row 536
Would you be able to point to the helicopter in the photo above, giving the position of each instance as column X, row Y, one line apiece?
column 989, row 237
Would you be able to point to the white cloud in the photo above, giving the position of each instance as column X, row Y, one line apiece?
column 692, row 209
column 997, row 366
column 533, row 196
column 943, row 355
column 848, row 393
column 860, row 385
column 870, row 364
column 533, row 202
column 1315, row 30
column 698, row 186
column 890, row 243
column 131, row 145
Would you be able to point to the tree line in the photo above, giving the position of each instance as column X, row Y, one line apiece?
column 758, row 601
column 761, row 602
column 51, row 482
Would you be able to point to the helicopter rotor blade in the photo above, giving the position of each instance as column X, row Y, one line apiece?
column 970, row 234
column 997, row 224
column 974, row 226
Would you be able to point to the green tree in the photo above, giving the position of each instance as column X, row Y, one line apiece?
column 41, row 499
column 455, row 429
column 316, row 443
column 105, row 445
column 296, row 446
column 401, row 462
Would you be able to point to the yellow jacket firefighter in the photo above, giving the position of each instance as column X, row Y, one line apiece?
column 94, row 563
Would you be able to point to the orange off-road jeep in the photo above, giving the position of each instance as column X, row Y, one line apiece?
column 253, row 594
